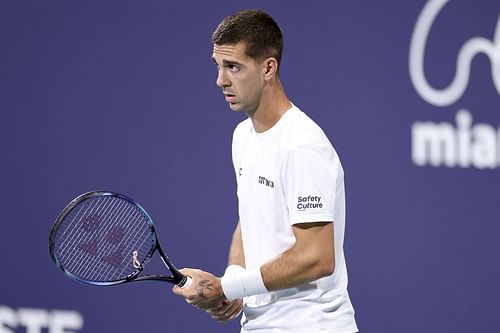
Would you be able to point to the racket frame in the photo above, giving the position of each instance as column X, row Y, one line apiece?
column 177, row 277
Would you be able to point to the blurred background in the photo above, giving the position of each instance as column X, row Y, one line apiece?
column 121, row 96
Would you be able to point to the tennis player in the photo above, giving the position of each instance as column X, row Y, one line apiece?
column 286, row 265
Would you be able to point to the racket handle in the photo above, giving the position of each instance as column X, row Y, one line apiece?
column 186, row 283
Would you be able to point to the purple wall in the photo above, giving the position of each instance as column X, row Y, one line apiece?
column 121, row 96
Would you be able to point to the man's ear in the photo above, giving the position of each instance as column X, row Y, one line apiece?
column 270, row 68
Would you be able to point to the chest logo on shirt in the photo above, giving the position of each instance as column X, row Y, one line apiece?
column 266, row 182
column 309, row 202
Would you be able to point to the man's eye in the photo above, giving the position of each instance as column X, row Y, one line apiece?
column 233, row 68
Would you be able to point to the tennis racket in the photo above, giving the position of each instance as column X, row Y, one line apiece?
column 104, row 238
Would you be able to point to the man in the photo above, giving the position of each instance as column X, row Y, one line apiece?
column 286, row 263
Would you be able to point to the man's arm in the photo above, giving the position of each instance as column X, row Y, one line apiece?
column 229, row 310
column 310, row 258
column 236, row 253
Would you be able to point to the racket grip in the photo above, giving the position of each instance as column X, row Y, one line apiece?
column 187, row 282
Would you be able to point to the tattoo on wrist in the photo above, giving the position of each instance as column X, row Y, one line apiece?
column 204, row 288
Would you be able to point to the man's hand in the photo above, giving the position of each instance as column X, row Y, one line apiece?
column 204, row 292
column 227, row 311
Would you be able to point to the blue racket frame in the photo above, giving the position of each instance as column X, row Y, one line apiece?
column 177, row 278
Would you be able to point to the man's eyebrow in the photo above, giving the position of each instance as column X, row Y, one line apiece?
column 229, row 62
column 226, row 62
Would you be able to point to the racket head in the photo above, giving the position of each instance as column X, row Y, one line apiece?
column 102, row 238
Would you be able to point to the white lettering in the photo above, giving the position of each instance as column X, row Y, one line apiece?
column 61, row 321
column 484, row 149
column 39, row 320
column 33, row 319
column 439, row 144
column 7, row 320
column 433, row 144
column 464, row 122
column 465, row 145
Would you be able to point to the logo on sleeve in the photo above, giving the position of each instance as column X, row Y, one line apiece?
column 309, row 202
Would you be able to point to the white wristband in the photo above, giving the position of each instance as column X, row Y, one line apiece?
column 243, row 284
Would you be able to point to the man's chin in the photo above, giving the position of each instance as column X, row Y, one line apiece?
column 235, row 107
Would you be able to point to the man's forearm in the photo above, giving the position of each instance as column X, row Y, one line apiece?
column 236, row 253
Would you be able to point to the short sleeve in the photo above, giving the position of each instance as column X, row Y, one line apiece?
column 311, row 176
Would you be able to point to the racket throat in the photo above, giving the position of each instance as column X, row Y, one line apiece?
column 177, row 277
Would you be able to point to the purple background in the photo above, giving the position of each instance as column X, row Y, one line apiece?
column 121, row 95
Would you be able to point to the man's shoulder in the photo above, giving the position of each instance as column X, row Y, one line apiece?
column 241, row 132
column 303, row 130
column 243, row 127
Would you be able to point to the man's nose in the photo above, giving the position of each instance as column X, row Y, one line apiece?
column 222, row 80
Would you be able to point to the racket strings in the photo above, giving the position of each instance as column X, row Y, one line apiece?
column 96, row 239
column 110, row 252
column 96, row 267
column 115, row 254
column 64, row 227
column 85, row 241
column 81, row 237
column 75, row 236
column 105, row 248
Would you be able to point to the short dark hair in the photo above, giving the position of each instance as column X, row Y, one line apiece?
column 257, row 29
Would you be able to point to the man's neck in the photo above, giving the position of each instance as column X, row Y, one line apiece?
column 273, row 106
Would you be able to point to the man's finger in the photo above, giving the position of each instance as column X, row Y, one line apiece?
column 228, row 312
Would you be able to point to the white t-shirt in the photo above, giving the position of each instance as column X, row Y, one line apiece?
column 286, row 175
